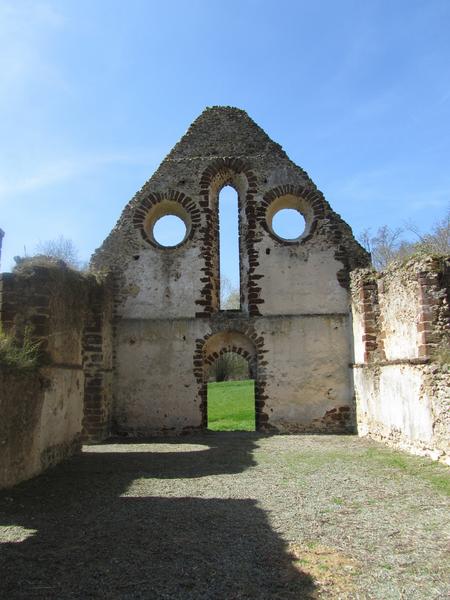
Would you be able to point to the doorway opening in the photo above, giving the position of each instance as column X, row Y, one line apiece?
column 229, row 265
column 231, row 394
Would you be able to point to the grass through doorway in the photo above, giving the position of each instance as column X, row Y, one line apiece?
column 231, row 405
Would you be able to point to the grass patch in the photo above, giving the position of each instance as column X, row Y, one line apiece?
column 423, row 468
column 383, row 461
column 337, row 501
column 231, row 406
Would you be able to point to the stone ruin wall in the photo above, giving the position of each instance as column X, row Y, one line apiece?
column 46, row 412
column 127, row 351
column 401, row 325
column 294, row 320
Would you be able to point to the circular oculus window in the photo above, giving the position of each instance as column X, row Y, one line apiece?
column 169, row 231
column 288, row 224
column 289, row 218
column 167, row 224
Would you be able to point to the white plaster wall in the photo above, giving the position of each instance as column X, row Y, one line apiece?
column 399, row 306
column 308, row 372
column 358, row 332
column 163, row 284
column 391, row 402
column 297, row 280
column 155, row 387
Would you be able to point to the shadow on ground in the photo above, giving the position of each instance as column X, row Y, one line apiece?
column 87, row 541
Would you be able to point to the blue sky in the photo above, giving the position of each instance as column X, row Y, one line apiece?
column 93, row 94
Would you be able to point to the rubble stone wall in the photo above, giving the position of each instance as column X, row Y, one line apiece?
column 127, row 349
column 401, row 328
column 46, row 412
column 294, row 294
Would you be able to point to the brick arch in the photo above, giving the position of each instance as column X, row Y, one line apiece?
column 229, row 341
column 151, row 200
column 249, row 345
column 223, row 169
column 310, row 196
column 219, row 173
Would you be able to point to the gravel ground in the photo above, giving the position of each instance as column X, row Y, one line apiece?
column 229, row 515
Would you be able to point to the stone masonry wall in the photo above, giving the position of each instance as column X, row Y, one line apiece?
column 48, row 414
column 97, row 359
column 294, row 294
column 284, row 351
column 401, row 327
column 34, row 433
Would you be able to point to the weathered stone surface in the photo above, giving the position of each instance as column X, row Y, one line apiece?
column 44, row 414
column 294, row 314
column 40, row 421
column 127, row 350
column 402, row 378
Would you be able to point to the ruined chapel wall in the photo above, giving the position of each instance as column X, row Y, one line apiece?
column 400, row 313
column 401, row 325
column 278, row 277
column 405, row 406
column 160, row 372
column 98, row 360
column 50, row 305
column 308, row 385
column 160, row 290
column 155, row 386
column 21, row 401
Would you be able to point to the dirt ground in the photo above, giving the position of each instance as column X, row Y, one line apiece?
column 228, row 516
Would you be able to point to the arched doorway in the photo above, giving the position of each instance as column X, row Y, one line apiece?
column 230, row 376
column 231, row 394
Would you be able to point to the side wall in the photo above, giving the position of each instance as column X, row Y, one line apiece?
column 401, row 372
column 97, row 358
column 39, row 423
column 42, row 410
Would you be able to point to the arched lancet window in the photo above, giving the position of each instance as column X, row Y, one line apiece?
column 229, row 268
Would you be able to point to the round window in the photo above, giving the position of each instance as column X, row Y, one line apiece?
column 169, row 231
column 288, row 224
column 167, row 224
column 289, row 218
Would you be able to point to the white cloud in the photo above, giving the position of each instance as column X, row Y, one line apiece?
column 55, row 171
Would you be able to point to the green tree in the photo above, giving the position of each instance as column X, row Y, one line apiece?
column 229, row 366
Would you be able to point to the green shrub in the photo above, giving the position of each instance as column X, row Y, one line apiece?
column 229, row 365
column 18, row 356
